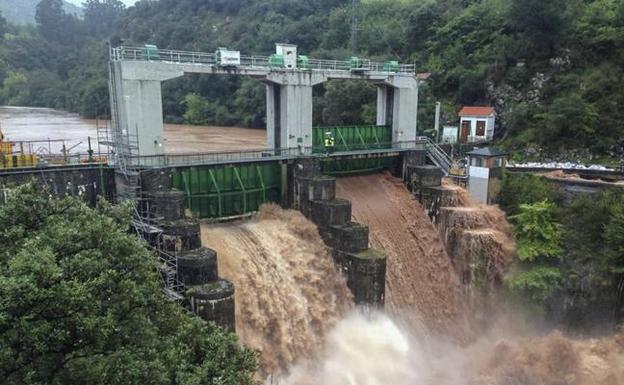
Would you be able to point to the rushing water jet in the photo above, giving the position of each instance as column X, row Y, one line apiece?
column 288, row 292
column 422, row 287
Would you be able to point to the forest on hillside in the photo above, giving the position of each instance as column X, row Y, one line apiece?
column 554, row 70
column 23, row 11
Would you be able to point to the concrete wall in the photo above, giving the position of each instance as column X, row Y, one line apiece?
column 87, row 182
column 478, row 181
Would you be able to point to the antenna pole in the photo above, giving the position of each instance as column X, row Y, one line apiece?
column 354, row 22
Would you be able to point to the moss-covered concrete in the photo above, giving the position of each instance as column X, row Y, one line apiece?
column 366, row 275
column 197, row 267
column 214, row 301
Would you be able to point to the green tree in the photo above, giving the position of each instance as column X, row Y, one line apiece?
column 542, row 22
column 526, row 188
column 614, row 241
column 540, row 249
column 82, row 304
column 198, row 109
column 15, row 89
column 3, row 26
column 56, row 25
column 100, row 16
column 346, row 102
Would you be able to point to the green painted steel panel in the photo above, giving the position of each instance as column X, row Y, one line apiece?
column 351, row 138
column 229, row 191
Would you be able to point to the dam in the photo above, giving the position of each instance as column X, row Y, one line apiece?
column 328, row 242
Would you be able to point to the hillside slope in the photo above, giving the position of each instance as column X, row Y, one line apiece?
column 553, row 70
column 23, row 11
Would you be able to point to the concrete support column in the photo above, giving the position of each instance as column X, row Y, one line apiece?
column 143, row 100
column 138, row 96
column 404, row 108
column 289, row 116
column 289, row 109
column 382, row 101
column 385, row 101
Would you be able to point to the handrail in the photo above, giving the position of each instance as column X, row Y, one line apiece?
column 438, row 156
column 124, row 53
column 264, row 154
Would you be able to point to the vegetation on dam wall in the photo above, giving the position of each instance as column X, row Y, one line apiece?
column 571, row 252
column 82, row 304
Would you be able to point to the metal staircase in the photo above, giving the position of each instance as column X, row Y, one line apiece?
column 438, row 156
column 147, row 228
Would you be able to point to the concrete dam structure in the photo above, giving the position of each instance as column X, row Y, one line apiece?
column 172, row 192
column 283, row 279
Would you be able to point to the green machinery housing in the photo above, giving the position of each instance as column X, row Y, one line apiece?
column 229, row 191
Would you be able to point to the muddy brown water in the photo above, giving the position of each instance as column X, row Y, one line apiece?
column 41, row 124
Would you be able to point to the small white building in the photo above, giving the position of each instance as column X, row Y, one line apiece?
column 476, row 124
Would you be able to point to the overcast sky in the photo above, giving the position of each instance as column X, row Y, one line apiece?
column 79, row 2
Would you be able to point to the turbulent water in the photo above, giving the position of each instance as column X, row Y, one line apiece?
column 296, row 310
column 422, row 288
column 374, row 350
column 288, row 292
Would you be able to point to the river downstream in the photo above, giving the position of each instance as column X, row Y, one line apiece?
column 43, row 124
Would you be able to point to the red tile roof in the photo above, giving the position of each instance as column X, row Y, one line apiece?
column 476, row 111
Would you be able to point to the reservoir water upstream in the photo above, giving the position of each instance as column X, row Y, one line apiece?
column 41, row 124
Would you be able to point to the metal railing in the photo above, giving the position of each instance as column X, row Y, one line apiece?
column 255, row 61
column 438, row 156
column 211, row 158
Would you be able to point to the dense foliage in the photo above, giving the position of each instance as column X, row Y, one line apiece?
column 571, row 254
column 82, row 304
column 23, row 11
column 539, row 251
column 553, row 69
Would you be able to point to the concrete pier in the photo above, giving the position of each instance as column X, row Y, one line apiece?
column 214, row 301
column 198, row 267
column 363, row 268
column 167, row 205
column 181, row 235
column 179, row 239
column 366, row 275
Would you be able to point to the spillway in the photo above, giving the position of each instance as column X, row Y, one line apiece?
column 288, row 292
column 422, row 287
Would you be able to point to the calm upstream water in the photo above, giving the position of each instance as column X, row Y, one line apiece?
column 46, row 124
